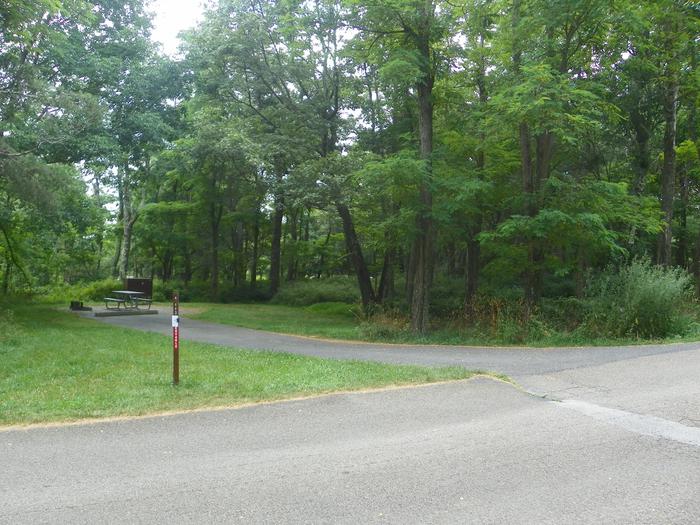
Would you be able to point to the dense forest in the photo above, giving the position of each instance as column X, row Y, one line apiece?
column 444, row 155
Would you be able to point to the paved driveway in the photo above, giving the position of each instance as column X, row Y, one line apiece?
column 508, row 360
column 611, row 437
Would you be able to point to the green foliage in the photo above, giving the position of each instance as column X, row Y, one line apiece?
column 87, row 292
column 95, row 291
column 532, row 134
column 306, row 293
column 639, row 300
column 448, row 296
column 402, row 69
column 198, row 290
column 550, row 101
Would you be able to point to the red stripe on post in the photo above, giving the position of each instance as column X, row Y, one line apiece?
column 176, row 338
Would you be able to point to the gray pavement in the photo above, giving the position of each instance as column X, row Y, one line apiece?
column 611, row 436
column 509, row 360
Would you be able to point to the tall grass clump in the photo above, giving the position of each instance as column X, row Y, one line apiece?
column 639, row 300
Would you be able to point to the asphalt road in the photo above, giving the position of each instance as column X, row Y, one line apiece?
column 508, row 360
column 612, row 436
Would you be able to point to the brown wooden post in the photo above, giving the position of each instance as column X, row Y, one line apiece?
column 176, row 338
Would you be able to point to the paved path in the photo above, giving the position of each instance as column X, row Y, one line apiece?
column 615, row 440
column 511, row 361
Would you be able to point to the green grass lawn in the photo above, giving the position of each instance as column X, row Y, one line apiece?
column 57, row 367
column 330, row 320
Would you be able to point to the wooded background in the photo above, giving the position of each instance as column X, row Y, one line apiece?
column 506, row 149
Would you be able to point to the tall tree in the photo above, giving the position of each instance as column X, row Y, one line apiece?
column 415, row 29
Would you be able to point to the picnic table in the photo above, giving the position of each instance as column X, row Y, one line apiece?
column 128, row 299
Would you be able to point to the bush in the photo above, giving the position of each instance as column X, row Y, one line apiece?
column 564, row 314
column 639, row 300
column 339, row 289
column 446, row 296
column 508, row 321
column 243, row 294
column 94, row 291
column 387, row 325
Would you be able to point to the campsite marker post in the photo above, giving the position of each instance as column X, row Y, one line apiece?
column 176, row 338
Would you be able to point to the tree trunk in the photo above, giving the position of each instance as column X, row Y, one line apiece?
column 254, row 257
column 322, row 258
column 125, row 254
column 473, row 262
column 129, row 216
column 423, row 243
column 545, row 150
column 294, row 220
column 642, row 154
column 239, row 243
column 214, row 222
column 530, row 179
column 526, row 169
column 358, row 261
column 386, row 280
column 682, row 250
column 668, row 175
column 531, row 277
column 99, row 236
column 276, row 245
column 451, row 257
column 167, row 266
column 120, row 220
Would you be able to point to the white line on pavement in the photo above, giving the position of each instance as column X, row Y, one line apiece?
column 640, row 424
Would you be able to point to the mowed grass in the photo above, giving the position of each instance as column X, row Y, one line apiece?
column 55, row 366
column 330, row 320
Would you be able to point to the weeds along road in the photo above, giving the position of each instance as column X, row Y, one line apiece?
column 612, row 436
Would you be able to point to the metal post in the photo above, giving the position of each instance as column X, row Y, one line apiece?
column 176, row 338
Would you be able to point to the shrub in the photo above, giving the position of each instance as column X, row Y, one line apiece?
column 389, row 324
column 639, row 300
column 93, row 291
column 338, row 289
column 446, row 296
column 195, row 290
column 200, row 291
column 508, row 321
column 243, row 294
column 564, row 314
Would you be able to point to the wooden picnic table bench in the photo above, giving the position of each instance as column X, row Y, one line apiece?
column 129, row 298
column 114, row 300
column 136, row 294
column 142, row 300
